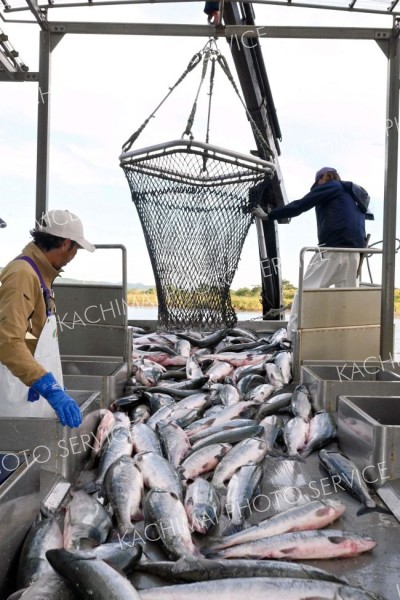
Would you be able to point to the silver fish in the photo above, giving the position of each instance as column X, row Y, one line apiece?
column 295, row 435
column 304, row 545
column 248, row 383
column 246, row 452
column 235, row 568
column 157, row 472
column 283, row 361
column 260, row 393
column 236, row 359
column 240, row 409
column 175, row 442
column 259, row 588
column 123, row 486
column 301, row 406
column 322, row 430
column 234, row 431
column 312, row 515
column 273, row 404
column 202, row 505
column 161, row 415
column 219, row 370
column 193, row 369
column 241, row 489
column 86, row 522
column 148, row 376
column 272, row 429
column 42, row 536
column 346, row 475
column 145, row 439
column 229, row 394
column 203, row 461
column 165, row 513
column 183, row 348
column 157, row 401
column 91, row 576
column 274, row 375
column 48, row 587
column 120, row 444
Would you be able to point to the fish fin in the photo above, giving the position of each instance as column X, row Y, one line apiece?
column 364, row 510
column 92, row 487
column 293, row 457
column 188, row 563
column 233, row 528
column 17, row 595
column 130, row 567
column 87, row 543
column 289, row 550
column 152, row 533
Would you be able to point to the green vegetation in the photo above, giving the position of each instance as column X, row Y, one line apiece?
column 243, row 299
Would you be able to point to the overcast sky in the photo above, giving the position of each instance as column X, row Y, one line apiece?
column 330, row 97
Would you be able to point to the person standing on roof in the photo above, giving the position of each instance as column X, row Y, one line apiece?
column 30, row 365
column 212, row 10
column 341, row 209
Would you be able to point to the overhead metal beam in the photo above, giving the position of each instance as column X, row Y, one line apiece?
column 236, row 32
column 386, row 10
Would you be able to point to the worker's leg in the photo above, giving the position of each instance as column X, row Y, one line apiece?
column 326, row 269
column 346, row 272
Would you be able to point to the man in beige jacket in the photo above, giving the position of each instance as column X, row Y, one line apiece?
column 30, row 365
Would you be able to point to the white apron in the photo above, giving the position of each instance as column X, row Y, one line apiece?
column 14, row 394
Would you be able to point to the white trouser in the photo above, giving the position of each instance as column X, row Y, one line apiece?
column 326, row 269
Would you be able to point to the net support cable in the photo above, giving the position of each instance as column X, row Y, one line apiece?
column 194, row 203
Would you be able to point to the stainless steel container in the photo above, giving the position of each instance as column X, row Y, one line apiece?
column 57, row 449
column 20, row 498
column 369, row 434
column 107, row 377
column 326, row 382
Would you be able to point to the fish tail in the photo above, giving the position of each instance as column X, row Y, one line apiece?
column 188, row 563
column 365, row 510
column 233, row 528
column 92, row 487
column 291, row 457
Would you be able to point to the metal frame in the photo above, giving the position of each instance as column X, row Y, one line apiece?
column 351, row 7
column 324, row 249
column 387, row 39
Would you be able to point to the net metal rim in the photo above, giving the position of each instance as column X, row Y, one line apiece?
column 216, row 152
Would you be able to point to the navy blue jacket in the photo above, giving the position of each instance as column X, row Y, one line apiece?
column 341, row 208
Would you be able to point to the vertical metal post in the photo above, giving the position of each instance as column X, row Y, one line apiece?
column 43, row 125
column 390, row 198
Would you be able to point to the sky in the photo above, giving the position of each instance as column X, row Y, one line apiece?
column 330, row 97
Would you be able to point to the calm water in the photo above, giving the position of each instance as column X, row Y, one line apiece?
column 151, row 313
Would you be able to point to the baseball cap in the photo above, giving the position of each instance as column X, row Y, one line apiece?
column 322, row 171
column 65, row 224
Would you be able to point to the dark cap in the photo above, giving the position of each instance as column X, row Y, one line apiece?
column 322, row 171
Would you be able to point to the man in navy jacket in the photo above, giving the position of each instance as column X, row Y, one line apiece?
column 341, row 208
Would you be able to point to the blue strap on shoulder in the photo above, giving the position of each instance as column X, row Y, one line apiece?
column 46, row 291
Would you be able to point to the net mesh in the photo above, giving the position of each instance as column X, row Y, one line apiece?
column 194, row 207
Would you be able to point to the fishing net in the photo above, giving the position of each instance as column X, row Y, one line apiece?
column 194, row 202
column 194, row 206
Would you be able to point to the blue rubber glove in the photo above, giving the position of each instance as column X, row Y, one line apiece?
column 32, row 395
column 66, row 408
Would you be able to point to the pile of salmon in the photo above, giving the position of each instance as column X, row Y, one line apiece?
column 177, row 464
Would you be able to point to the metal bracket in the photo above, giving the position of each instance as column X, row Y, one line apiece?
column 39, row 13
